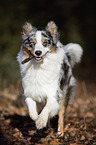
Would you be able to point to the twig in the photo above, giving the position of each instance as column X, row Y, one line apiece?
column 30, row 55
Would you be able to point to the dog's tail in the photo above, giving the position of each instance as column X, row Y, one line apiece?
column 74, row 52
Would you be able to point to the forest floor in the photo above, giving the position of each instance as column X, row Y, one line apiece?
column 16, row 127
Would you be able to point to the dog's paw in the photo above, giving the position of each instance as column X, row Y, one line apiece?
column 41, row 122
column 60, row 132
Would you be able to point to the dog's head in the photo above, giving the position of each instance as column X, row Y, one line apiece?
column 40, row 43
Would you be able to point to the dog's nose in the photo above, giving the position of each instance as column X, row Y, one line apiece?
column 38, row 52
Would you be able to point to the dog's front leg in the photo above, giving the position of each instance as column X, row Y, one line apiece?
column 31, row 105
column 42, row 118
column 51, row 109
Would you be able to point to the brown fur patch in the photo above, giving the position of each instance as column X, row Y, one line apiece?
column 61, row 117
column 53, row 49
column 42, row 40
column 24, row 51
column 34, row 40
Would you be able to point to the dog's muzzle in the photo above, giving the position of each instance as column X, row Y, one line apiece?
column 38, row 55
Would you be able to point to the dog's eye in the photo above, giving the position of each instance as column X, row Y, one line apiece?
column 49, row 42
column 26, row 43
column 46, row 43
column 32, row 43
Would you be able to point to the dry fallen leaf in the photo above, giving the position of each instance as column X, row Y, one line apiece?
column 17, row 128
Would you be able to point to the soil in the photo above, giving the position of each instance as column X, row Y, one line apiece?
column 16, row 127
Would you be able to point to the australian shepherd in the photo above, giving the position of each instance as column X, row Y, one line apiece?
column 46, row 71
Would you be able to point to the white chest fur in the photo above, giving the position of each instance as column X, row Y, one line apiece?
column 40, row 80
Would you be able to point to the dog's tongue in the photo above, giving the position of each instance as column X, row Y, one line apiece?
column 38, row 58
column 43, row 56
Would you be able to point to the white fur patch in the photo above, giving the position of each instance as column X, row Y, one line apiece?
column 75, row 52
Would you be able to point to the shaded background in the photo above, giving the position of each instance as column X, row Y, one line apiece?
column 76, row 21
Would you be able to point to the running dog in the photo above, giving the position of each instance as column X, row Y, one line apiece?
column 46, row 70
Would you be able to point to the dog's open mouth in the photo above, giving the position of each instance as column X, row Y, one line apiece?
column 39, row 59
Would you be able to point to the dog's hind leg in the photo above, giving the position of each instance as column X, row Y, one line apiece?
column 61, row 118
column 64, row 103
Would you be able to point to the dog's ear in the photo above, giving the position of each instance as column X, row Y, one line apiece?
column 26, row 29
column 52, row 28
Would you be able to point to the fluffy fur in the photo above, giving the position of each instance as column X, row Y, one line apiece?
column 47, row 78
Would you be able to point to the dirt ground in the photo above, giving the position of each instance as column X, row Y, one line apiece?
column 16, row 127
